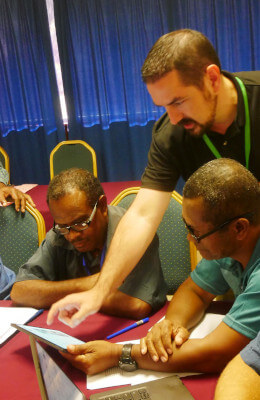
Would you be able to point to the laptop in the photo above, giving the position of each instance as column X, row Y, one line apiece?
column 55, row 385
column 170, row 388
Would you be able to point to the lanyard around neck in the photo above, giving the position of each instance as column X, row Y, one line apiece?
column 247, row 128
column 103, row 254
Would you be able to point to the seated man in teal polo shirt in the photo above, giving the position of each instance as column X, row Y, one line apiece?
column 71, row 256
column 221, row 210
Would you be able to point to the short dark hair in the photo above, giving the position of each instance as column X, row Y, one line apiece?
column 227, row 189
column 73, row 179
column 187, row 51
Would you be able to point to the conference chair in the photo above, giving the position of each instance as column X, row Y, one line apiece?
column 178, row 256
column 72, row 153
column 4, row 158
column 21, row 235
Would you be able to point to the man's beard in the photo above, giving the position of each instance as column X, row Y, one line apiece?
column 203, row 128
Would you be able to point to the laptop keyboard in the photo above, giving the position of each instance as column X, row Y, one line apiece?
column 131, row 394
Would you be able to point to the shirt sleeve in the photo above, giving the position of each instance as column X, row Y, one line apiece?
column 7, row 278
column 244, row 314
column 146, row 281
column 162, row 171
column 251, row 354
column 208, row 276
column 41, row 264
column 4, row 177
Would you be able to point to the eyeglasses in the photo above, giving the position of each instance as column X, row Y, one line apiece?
column 199, row 238
column 80, row 226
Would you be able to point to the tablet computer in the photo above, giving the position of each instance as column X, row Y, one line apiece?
column 57, row 339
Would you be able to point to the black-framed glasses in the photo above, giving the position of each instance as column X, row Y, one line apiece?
column 78, row 227
column 199, row 238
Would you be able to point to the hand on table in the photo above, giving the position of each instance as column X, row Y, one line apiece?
column 93, row 357
column 74, row 308
column 158, row 341
column 10, row 193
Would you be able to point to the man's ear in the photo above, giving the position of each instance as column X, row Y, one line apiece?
column 241, row 226
column 102, row 203
column 214, row 76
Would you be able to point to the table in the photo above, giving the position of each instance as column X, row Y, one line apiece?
column 39, row 195
column 17, row 373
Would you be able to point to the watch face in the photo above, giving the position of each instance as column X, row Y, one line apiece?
column 126, row 362
column 129, row 367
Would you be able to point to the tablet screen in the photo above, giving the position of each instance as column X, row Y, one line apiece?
column 54, row 338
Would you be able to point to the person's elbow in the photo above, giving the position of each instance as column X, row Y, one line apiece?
column 128, row 307
column 19, row 295
column 138, row 309
column 16, row 294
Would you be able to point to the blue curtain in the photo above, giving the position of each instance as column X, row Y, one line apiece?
column 27, row 77
column 106, row 43
column 232, row 26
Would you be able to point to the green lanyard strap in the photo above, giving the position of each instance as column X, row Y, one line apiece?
column 247, row 128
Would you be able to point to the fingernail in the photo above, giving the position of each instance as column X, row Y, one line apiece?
column 75, row 323
column 155, row 358
column 143, row 351
column 163, row 359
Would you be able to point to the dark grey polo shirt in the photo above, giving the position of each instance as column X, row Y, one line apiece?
column 57, row 260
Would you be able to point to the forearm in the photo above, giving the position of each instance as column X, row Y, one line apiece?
column 132, row 237
column 188, row 306
column 193, row 356
column 42, row 294
column 122, row 305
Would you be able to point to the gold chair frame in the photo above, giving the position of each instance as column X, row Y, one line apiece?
column 66, row 142
column 39, row 220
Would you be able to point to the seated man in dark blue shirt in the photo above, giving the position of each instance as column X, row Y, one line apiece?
column 71, row 256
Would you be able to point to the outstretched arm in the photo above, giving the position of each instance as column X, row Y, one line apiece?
column 133, row 235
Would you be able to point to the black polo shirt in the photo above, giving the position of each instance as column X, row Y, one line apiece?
column 174, row 152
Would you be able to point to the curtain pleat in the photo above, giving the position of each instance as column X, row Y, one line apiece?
column 27, row 94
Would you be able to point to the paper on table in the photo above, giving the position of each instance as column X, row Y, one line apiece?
column 17, row 315
column 26, row 187
column 112, row 376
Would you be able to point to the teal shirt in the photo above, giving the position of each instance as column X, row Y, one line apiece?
column 218, row 276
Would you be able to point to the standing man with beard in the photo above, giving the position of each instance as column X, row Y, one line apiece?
column 209, row 114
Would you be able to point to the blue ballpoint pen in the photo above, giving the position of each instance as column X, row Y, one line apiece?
column 128, row 328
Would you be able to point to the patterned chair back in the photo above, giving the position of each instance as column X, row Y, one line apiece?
column 72, row 153
column 178, row 256
column 20, row 235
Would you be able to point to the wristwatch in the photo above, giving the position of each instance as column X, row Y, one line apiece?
column 126, row 362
